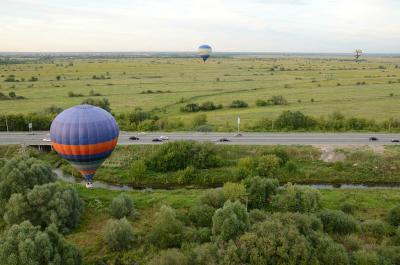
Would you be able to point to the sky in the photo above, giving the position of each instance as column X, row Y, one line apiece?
column 182, row 25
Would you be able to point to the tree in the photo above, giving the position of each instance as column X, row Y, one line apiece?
column 169, row 257
column 246, row 167
column 167, row 230
column 201, row 215
column 338, row 222
column 119, row 235
column 44, row 205
column 278, row 100
column 205, row 254
column 27, row 244
column 230, row 221
column 297, row 199
column 122, row 206
column 102, row 103
column 137, row 169
column 268, row 165
column 238, row 104
column 234, row 192
column 295, row 120
column 214, row 198
column 357, row 54
column 260, row 190
column 20, row 174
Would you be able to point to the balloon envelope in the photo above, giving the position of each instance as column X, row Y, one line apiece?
column 205, row 51
column 85, row 136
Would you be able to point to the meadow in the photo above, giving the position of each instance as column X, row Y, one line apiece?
column 315, row 86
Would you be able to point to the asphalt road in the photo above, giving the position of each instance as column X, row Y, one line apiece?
column 247, row 138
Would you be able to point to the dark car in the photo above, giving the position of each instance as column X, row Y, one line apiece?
column 134, row 138
column 156, row 140
column 395, row 141
column 373, row 138
column 223, row 140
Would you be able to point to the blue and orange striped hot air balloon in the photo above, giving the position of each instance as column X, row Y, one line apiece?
column 85, row 136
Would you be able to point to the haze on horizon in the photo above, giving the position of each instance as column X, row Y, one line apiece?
column 179, row 25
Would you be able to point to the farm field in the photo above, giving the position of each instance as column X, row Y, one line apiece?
column 315, row 86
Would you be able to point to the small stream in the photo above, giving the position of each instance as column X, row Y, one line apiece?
column 102, row 185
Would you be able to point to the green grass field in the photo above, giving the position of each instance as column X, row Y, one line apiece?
column 221, row 80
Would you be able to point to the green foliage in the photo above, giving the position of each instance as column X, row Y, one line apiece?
column 364, row 257
column 246, row 167
column 20, row 174
column 375, row 228
column 44, row 205
column 348, row 207
column 27, row 244
column 199, row 120
column 214, row 198
column 119, row 235
column 278, row 100
column 260, row 191
column 230, row 221
column 257, row 216
column 234, row 192
column 268, row 165
column 102, row 103
column 166, row 231
column 297, row 199
column 338, row 222
column 201, row 215
column 205, row 254
column 296, row 120
column 137, row 170
column 179, row 155
column 238, row 104
column 389, row 255
column 393, row 217
column 122, row 206
column 169, row 257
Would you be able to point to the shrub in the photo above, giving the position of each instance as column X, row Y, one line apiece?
column 375, row 228
column 230, row 221
column 297, row 199
column 214, row 198
column 257, row 216
column 261, row 103
column 246, row 167
column 72, row 94
column 167, row 230
column 201, row 215
column 268, row 165
column 238, row 104
column 260, row 190
column 393, row 216
column 27, row 244
column 181, row 154
column 20, row 174
column 348, row 207
column 191, row 107
column 278, row 100
column 196, row 235
column 273, row 241
column 101, row 103
column 169, row 257
column 119, row 235
column 338, row 222
column 396, row 237
column 294, row 121
column 205, row 254
column 47, row 204
column 234, row 192
column 363, row 257
column 122, row 206
column 209, row 105
column 137, row 170
column 389, row 255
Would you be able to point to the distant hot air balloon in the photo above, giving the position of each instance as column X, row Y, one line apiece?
column 205, row 52
column 85, row 136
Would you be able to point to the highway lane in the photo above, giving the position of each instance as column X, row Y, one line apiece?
column 245, row 139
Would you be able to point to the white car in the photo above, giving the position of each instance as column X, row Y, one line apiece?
column 46, row 140
column 163, row 137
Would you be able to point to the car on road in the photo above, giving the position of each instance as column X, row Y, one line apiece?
column 221, row 140
column 395, row 141
column 156, row 140
column 373, row 138
column 134, row 138
column 238, row 135
column 163, row 138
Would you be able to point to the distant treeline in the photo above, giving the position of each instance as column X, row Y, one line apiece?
column 140, row 120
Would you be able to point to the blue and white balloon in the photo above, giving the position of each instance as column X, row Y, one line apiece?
column 205, row 51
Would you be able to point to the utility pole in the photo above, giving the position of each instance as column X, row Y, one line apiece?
column 238, row 125
column 6, row 122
